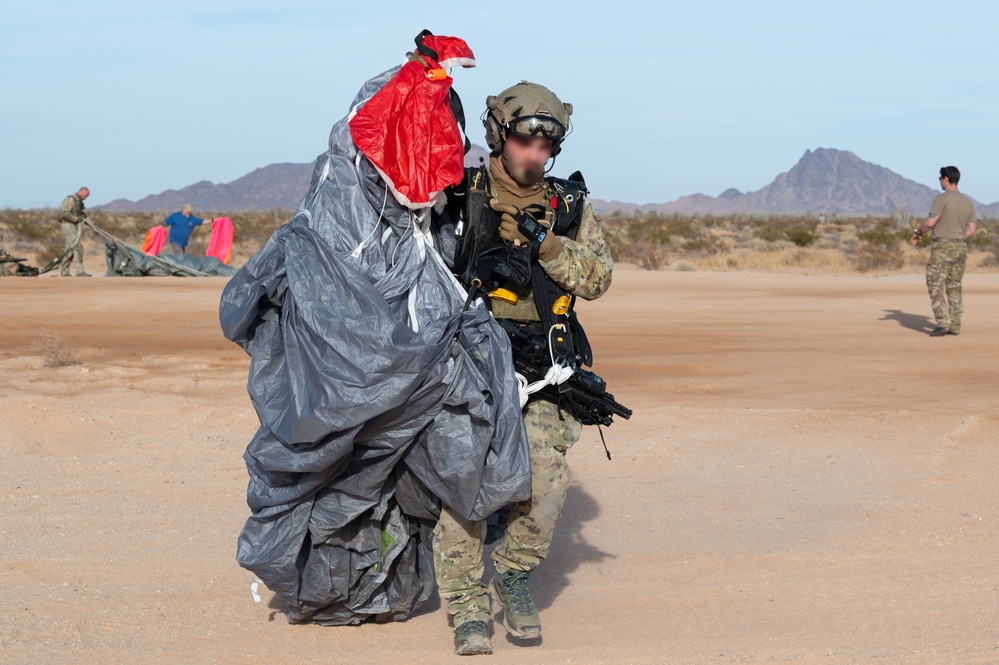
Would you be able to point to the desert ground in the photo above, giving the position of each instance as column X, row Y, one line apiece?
column 808, row 478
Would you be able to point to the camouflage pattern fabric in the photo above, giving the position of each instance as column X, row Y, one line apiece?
column 71, row 213
column 458, row 545
column 944, row 272
column 72, row 209
column 71, row 233
column 583, row 268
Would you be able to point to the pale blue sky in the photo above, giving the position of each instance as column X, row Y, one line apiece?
column 132, row 98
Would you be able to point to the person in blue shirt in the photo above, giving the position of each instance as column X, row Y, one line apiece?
column 181, row 224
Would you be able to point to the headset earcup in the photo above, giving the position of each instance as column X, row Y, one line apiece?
column 494, row 134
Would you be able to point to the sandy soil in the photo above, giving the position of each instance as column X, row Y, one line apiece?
column 807, row 478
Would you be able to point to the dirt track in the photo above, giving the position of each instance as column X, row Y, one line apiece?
column 808, row 478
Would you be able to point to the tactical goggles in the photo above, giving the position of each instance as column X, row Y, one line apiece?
column 535, row 125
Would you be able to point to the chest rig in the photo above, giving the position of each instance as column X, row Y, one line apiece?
column 485, row 262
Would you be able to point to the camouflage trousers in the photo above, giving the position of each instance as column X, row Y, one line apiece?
column 458, row 543
column 72, row 233
column 944, row 272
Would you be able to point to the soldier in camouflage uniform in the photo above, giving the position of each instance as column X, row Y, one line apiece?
column 525, row 126
column 952, row 220
column 72, row 215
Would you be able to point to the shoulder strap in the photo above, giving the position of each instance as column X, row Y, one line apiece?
column 570, row 193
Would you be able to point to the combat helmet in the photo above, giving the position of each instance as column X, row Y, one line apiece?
column 527, row 109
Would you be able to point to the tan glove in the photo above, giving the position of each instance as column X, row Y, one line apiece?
column 509, row 229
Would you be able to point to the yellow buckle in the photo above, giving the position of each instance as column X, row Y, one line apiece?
column 504, row 294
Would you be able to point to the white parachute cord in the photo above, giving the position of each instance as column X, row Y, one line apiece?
column 395, row 251
column 416, row 223
column 357, row 250
column 556, row 375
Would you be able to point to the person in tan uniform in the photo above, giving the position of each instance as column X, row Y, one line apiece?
column 952, row 221
column 525, row 127
column 72, row 215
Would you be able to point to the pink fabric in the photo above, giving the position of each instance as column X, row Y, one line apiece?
column 156, row 237
column 220, row 244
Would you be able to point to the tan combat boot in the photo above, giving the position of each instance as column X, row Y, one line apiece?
column 472, row 639
column 520, row 616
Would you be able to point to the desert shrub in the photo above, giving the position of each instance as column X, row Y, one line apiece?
column 992, row 257
column 770, row 232
column 54, row 351
column 705, row 244
column 981, row 240
column 682, row 227
column 802, row 236
column 880, row 248
column 902, row 219
column 984, row 242
column 870, row 258
column 879, row 235
column 33, row 227
column 644, row 241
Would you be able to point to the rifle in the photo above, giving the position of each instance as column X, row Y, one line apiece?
column 21, row 269
column 584, row 394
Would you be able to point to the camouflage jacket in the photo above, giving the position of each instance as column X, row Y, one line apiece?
column 583, row 268
column 72, row 210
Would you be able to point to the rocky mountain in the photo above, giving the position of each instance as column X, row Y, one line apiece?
column 823, row 181
column 274, row 186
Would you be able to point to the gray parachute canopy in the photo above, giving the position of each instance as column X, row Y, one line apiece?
column 379, row 397
column 125, row 260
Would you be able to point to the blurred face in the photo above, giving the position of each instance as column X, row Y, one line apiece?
column 525, row 157
column 83, row 194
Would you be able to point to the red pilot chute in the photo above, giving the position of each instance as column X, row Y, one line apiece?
column 408, row 129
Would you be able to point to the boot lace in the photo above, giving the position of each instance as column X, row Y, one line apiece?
column 516, row 588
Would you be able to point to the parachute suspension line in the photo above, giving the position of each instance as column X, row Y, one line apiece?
column 357, row 250
column 557, row 374
column 104, row 234
column 409, row 227
column 57, row 261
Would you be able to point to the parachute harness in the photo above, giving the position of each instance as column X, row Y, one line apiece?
column 557, row 374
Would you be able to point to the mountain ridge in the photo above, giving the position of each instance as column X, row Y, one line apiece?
column 824, row 180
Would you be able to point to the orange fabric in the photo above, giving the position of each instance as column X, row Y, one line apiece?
column 220, row 244
column 156, row 237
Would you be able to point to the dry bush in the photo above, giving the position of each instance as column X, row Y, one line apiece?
column 683, row 266
column 991, row 257
column 880, row 248
column 870, row 258
column 802, row 236
column 54, row 350
column 643, row 241
column 780, row 259
column 770, row 232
